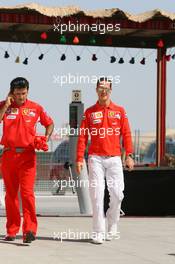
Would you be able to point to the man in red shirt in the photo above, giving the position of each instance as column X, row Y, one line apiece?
column 106, row 123
column 20, row 116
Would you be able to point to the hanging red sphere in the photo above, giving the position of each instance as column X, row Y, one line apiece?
column 160, row 43
column 76, row 40
column 43, row 35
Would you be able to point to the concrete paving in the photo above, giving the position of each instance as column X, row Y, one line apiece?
column 142, row 241
column 58, row 205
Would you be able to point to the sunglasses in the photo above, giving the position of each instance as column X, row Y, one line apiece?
column 103, row 88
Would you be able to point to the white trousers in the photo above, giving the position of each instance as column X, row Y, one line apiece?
column 101, row 167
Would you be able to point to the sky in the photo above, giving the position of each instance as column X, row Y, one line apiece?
column 136, row 90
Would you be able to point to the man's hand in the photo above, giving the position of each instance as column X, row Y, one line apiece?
column 79, row 167
column 5, row 106
column 9, row 100
column 129, row 163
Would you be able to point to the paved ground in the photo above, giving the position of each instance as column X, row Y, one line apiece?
column 54, row 205
column 143, row 241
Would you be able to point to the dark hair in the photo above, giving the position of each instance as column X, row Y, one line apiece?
column 104, row 79
column 19, row 83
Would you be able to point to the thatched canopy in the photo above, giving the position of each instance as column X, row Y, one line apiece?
column 74, row 10
column 25, row 23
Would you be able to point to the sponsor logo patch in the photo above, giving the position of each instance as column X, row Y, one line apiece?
column 96, row 115
column 11, row 117
column 31, row 113
column 13, row 111
column 118, row 116
column 96, row 121
column 8, row 111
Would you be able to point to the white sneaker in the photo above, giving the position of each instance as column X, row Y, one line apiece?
column 112, row 233
column 111, row 236
column 97, row 238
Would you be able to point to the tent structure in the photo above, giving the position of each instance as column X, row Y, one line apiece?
column 34, row 23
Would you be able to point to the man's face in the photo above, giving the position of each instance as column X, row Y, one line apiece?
column 104, row 91
column 20, row 95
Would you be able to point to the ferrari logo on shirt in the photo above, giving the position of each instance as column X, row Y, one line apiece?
column 114, row 114
column 111, row 114
column 28, row 112
column 25, row 111
column 96, row 115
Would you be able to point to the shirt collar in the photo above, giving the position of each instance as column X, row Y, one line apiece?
column 17, row 106
column 101, row 107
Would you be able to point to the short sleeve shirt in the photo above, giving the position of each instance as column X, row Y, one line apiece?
column 19, row 123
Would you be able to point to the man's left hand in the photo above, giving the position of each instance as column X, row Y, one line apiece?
column 129, row 163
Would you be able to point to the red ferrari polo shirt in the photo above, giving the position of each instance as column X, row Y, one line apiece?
column 105, row 125
column 19, row 123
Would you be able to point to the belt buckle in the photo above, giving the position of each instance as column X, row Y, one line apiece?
column 19, row 150
column 110, row 156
